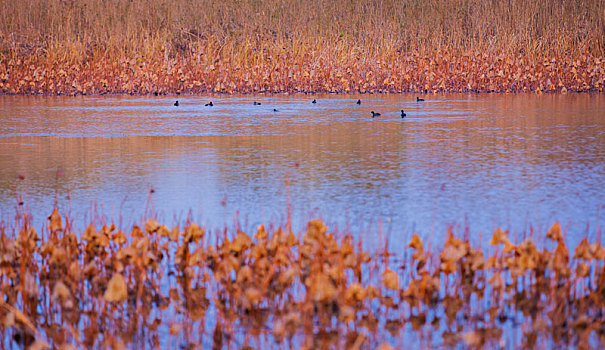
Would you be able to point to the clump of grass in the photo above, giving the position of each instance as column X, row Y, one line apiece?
column 159, row 286
column 123, row 46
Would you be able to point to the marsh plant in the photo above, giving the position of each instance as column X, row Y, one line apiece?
column 156, row 286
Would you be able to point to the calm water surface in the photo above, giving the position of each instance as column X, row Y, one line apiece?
column 477, row 161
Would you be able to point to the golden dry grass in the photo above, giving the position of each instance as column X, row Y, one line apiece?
column 124, row 46
column 157, row 286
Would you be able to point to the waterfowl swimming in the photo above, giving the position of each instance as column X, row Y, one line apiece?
column 358, row 102
column 176, row 103
column 418, row 99
column 314, row 101
column 209, row 104
column 403, row 114
column 374, row 114
column 256, row 103
column 275, row 110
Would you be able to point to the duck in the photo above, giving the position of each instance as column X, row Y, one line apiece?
column 374, row 114
column 403, row 114
column 358, row 102
column 209, row 104
column 418, row 99
column 256, row 103
column 275, row 110
column 176, row 103
column 314, row 101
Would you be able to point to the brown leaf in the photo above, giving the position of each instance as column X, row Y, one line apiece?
column 55, row 224
column 554, row 232
column 116, row 289
column 390, row 279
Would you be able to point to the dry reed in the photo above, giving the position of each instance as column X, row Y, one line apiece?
column 196, row 46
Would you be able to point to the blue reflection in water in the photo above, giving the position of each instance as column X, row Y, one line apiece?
column 515, row 161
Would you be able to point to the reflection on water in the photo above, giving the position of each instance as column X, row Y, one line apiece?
column 516, row 161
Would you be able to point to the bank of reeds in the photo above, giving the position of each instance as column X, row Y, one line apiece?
column 154, row 286
column 131, row 46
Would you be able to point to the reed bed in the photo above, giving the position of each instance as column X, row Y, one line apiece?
column 253, row 46
column 156, row 286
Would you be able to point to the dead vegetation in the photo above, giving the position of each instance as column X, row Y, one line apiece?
column 148, row 47
column 156, row 286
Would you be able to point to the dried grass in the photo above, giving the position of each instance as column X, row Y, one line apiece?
column 124, row 46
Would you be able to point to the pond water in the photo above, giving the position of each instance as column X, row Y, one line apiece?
column 469, row 161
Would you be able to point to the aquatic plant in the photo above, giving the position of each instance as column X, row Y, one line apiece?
column 146, row 47
column 156, row 286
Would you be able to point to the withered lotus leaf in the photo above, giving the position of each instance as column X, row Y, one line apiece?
column 554, row 232
column 58, row 256
column 164, row 231
column 477, row 260
column 321, row 288
column 90, row 233
column 174, row 234
column 117, row 290
column 241, row 242
column 253, row 295
column 287, row 277
column 141, row 245
column 508, row 247
column 582, row 250
column 193, row 233
column 136, row 231
column 347, row 314
column 197, row 258
column 55, row 224
column 561, row 256
column 448, row 267
column 291, row 240
column 597, row 251
column 355, row 293
column 583, row 269
column 315, row 229
column 416, row 242
column 390, row 279
column 244, row 275
column 452, row 253
column 60, row 291
column 373, row 292
column 499, row 237
column 151, row 226
column 261, row 233
column 311, row 294
column 119, row 237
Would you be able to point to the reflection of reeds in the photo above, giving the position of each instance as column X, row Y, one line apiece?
column 155, row 285
column 332, row 46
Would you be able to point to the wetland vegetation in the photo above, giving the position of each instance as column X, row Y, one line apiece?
column 201, row 46
column 159, row 286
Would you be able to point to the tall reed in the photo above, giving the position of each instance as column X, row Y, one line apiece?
column 252, row 35
column 151, row 27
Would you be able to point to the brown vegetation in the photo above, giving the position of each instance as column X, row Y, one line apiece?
column 199, row 46
column 157, row 286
